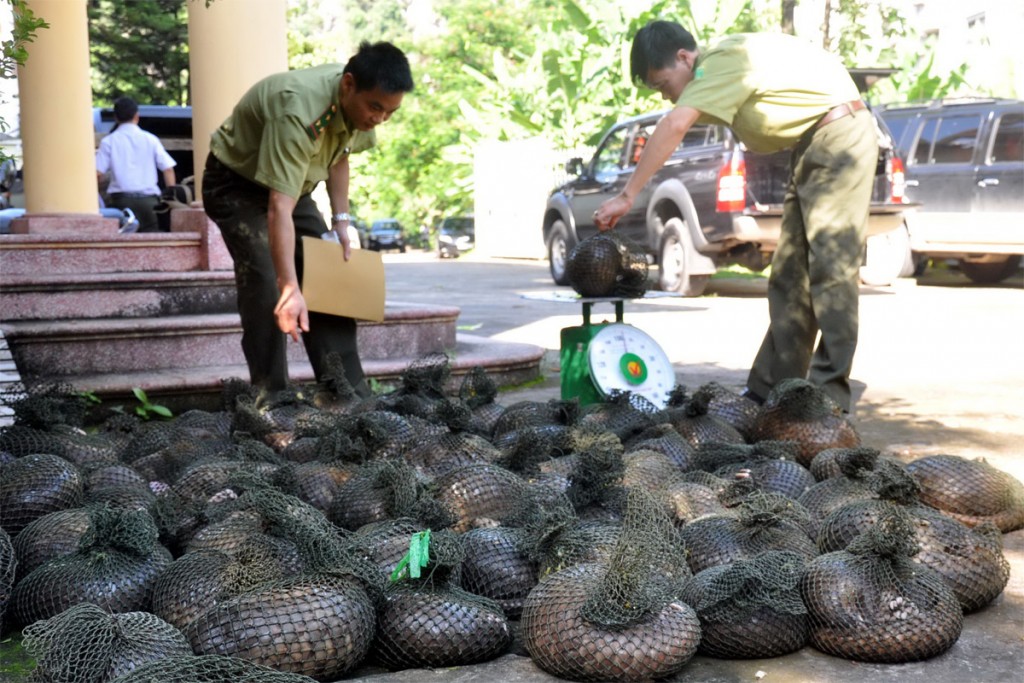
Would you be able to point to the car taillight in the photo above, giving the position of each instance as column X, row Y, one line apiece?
column 732, row 184
column 897, row 180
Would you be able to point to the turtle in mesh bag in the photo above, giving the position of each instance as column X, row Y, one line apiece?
column 442, row 453
column 421, row 388
column 618, row 621
column 691, row 500
column 624, row 414
column 724, row 403
column 208, row 669
column 315, row 482
column 651, row 470
column 751, row 608
column 53, row 535
column 607, row 265
column 379, row 490
column 497, row 565
column 799, row 411
column 36, row 485
column 762, row 522
column 872, row 603
column 118, row 485
column 861, row 470
column 426, row 620
column 478, row 495
column 771, row 465
column 85, row 644
column 665, row 439
column 478, row 392
column 833, row 462
column 972, row 491
column 115, row 566
column 970, row 560
column 8, row 570
column 319, row 624
column 693, row 419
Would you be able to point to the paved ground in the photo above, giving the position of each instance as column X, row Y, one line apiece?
column 939, row 369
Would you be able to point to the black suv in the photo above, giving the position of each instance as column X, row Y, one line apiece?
column 385, row 233
column 711, row 204
column 965, row 165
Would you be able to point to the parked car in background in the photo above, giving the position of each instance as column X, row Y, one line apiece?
column 173, row 125
column 384, row 234
column 713, row 203
column 965, row 165
column 456, row 236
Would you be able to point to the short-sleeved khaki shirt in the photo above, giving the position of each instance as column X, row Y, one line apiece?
column 288, row 130
column 768, row 87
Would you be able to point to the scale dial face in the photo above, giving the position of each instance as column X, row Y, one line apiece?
column 626, row 358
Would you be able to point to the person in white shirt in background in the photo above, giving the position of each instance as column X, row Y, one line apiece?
column 132, row 157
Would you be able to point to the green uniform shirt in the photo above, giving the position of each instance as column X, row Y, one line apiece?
column 288, row 130
column 768, row 87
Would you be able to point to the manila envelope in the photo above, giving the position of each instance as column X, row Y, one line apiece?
column 330, row 284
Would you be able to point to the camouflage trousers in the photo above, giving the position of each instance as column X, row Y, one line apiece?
column 239, row 208
column 814, row 284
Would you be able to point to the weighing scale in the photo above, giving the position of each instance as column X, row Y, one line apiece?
column 598, row 359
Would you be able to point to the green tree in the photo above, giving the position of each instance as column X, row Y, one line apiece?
column 139, row 49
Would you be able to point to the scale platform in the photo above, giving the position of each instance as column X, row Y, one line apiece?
column 597, row 359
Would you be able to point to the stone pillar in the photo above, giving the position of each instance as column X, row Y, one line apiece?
column 232, row 44
column 58, row 143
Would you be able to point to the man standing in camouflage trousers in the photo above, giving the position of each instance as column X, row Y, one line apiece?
column 777, row 92
column 288, row 133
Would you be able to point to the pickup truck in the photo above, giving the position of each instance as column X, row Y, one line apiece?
column 712, row 204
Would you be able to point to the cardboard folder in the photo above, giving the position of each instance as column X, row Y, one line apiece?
column 330, row 284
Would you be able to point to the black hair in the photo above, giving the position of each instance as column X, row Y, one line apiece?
column 125, row 109
column 380, row 65
column 655, row 46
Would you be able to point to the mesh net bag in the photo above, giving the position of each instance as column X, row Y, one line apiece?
column 838, row 462
column 771, row 465
column 798, row 411
column 497, row 565
column 971, row 491
column 536, row 414
column 85, row 644
column 316, row 483
column 620, row 620
column 320, row 625
column 871, row 603
column 115, row 566
column 736, row 410
column 525, row 451
column 479, row 495
column 208, row 669
column 761, row 523
column 689, row 501
column 427, row 621
column 607, row 264
column 385, row 543
column 378, row 491
column 751, row 608
column 695, row 423
column 53, row 535
column 650, row 470
column 478, row 392
column 624, row 414
column 971, row 561
column 8, row 570
column 665, row 439
column 862, row 474
column 446, row 452
column 36, row 485
column 45, row 405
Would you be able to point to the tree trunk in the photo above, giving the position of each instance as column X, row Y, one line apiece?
column 826, row 39
column 787, row 16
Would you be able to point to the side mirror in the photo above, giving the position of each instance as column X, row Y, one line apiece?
column 574, row 166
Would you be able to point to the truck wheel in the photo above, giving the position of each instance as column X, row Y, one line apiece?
column 990, row 270
column 887, row 257
column 673, row 265
column 558, row 252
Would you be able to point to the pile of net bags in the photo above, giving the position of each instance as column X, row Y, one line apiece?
column 311, row 534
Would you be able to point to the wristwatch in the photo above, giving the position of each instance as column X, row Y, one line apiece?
column 338, row 217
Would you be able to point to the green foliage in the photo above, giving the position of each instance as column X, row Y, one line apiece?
column 147, row 409
column 139, row 49
column 15, row 52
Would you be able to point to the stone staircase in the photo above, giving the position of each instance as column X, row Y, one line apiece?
column 109, row 313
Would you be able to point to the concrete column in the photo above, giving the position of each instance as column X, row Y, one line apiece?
column 61, row 193
column 232, row 44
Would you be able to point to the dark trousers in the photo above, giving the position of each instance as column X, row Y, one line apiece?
column 142, row 205
column 239, row 208
column 814, row 283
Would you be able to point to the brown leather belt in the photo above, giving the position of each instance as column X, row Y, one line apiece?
column 839, row 112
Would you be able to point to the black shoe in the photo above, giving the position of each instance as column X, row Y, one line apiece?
column 756, row 398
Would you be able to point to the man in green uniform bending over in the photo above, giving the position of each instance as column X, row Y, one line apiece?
column 288, row 133
column 777, row 92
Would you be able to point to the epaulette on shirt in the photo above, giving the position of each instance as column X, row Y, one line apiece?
column 314, row 129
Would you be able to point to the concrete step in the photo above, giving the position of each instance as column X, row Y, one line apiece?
column 139, row 252
column 509, row 364
column 56, row 349
column 67, row 296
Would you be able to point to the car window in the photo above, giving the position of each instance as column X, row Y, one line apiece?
column 898, row 127
column 948, row 140
column 1008, row 144
column 608, row 161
